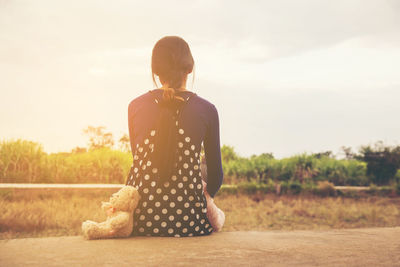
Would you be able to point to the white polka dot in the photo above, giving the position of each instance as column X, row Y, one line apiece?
column 145, row 154
column 143, row 167
column 141, row 217
column 184, row 178
column 147, row 177
column 148, row 224
column 179, row 211
column 191, row 198
column 137, row 211
column 185, row 218
column 146, row 141
column 137, row 145
column 181, row 131
column 151, row 197
column 196, row 154
column 191, row 160
column 194, row 179
column 190, row 234
column 186, row 205
column 180, row 185
column 148, row 163
column 191, row 223
column 180, row 171
column 141, row 229
column 196, row 167
column 157, row 204
column 164, row 211
column 191, row 172
column 187, row 152
column 163, row 224
column 156, row 217
column 204, row 210
column 185, row 165
column 166, row 184
column 202, row 221
column 171, row 217
column 177, row 235
column 140, row 149
column 154, row 170
column 173, row 177
column 178, row 224
column 180, row 144
column 197, row 204
column 172, row 204
column 140, row 162
column 146, row 190
column 144, row 204
column 155, row 230
column 191, row 186
column 158, row 191
column 202, row 232
column 136, row 157
column 184, row 230
column 153, row 132
column 150, row 210
column 192, row 211
column 153, row 184
column 165, row 197
column 135, row 169
column 187, row 139
column 197, row 228
column 180, row 198
column 176, row 123
column 199, row 186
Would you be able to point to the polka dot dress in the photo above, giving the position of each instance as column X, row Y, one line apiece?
column 176, row 207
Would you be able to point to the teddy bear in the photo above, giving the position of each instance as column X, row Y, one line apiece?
column 119, row 210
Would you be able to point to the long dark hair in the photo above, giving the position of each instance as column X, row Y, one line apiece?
column 171, row 61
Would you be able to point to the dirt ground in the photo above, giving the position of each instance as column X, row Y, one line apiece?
column 345, row 247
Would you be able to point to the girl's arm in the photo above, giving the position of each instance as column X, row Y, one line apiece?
column 212, row 152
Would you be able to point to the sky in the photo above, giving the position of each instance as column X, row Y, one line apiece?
column 287, row 77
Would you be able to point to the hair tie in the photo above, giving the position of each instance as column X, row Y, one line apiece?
column 169, row 94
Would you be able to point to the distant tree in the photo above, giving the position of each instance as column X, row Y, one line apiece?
column 347, row 151
column 228, row 153
column 328, row 154
column 98, row 138
column 124, row 143
column 79, row 150
column 382, row 162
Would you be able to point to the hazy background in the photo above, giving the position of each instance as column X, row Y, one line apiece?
column 286, row 76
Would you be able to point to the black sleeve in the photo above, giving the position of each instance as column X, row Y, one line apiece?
column 212, row 152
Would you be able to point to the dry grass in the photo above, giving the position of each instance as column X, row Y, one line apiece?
column 50, row 212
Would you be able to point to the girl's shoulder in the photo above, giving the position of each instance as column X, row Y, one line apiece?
column 144, row 98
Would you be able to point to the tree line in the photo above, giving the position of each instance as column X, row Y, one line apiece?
column 102, row 161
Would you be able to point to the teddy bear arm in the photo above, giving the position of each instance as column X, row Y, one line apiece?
column 120, row 220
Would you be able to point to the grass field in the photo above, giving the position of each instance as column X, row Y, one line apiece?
column 57, row 212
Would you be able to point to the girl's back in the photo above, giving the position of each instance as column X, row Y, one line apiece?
column 174, row 205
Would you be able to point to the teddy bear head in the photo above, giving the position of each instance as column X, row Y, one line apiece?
column 126, row 199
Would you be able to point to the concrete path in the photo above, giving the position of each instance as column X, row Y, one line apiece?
column 348, row 247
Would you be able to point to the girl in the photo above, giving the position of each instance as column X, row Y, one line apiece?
column 167, row 127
